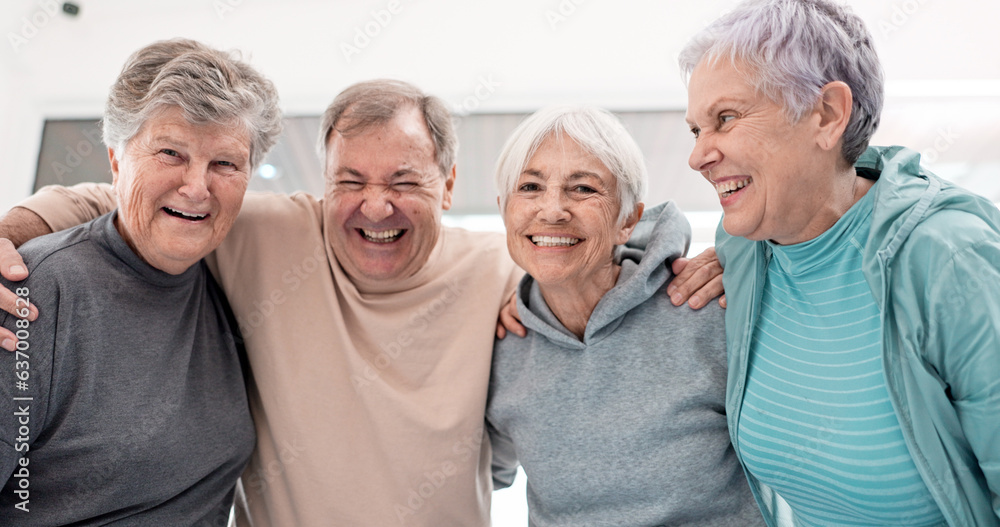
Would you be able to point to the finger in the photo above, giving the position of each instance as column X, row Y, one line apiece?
column 11, row 264
column 17, row 305
column 510, row 322
column 709, row 291
column 501, row 331
column 722, row 301
column 696, row 279
column 678, row 265
column 686, row 279
column 7, row 340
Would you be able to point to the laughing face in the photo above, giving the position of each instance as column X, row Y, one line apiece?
column 384, row 197
column 180, row 186
column 771, row 177
column 562, row 217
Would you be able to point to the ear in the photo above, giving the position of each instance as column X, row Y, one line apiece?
column 629, row 225
column 834, row 109
column 449, row 186
column 114, row 167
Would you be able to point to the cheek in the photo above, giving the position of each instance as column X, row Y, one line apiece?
column 133, row 202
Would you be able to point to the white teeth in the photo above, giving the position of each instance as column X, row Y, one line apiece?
column 554, row 241
column 187, row 215
column 727, row 188
column 381, row 236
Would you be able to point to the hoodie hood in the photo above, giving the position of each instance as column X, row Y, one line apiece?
column 662, row 235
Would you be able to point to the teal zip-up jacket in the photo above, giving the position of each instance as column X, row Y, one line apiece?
column 933, row 264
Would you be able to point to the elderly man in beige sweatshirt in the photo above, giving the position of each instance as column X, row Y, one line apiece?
column 368, row 325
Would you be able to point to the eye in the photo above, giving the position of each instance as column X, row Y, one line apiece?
column 695, row 131
column 404, row 185
column 726, row 117
column 349, row 184
column 528, row 187
column 583, row 189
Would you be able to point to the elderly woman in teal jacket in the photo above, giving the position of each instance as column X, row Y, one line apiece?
column 863, row 324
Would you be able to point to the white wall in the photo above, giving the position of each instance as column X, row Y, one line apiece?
column 519, row 54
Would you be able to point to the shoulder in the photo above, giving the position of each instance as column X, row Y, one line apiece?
column 951, row 233
column 269, row 207
column 59, row 252
column 485, row 251
column 270, row 221
column 659, row 315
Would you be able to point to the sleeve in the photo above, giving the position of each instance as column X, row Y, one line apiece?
column 965, row 328
column 516, row 274
column 505, row 462
column 25, row 378
column 65, row 207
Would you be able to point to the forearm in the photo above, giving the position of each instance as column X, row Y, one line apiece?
column 20, row 225
column 65, row 207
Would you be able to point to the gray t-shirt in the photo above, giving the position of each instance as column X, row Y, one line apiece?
column 133, row 410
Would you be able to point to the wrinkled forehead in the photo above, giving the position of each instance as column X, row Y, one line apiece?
column 405, row 131
column 715, row 82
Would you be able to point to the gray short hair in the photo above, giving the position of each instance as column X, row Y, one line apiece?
column 598, row 131
column 208, row 85
column 793, row 48
column 374, row 103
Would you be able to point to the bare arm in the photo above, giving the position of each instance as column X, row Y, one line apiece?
column 18, row 226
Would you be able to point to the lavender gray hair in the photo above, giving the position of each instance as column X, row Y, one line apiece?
column 792, row 48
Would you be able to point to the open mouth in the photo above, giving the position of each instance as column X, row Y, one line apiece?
column 731, row 187
column 554, row 241
column 184, row 215
column 386, row 236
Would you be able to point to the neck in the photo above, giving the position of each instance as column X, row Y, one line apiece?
column 847, row 188
column 573, row 302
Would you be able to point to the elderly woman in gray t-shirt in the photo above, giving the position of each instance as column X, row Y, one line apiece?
column 614, row 403
column 130, row 389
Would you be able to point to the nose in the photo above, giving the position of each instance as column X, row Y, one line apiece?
column 705, row 155
column 376, row 205
column 195, row 184
column 552, row 206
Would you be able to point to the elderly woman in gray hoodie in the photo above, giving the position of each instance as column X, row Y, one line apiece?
column 614, row 403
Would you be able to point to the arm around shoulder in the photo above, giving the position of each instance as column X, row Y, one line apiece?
column 64, row 207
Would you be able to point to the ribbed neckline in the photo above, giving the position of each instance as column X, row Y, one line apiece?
column 107, row 236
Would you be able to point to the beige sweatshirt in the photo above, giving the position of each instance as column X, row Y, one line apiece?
column 368, row 405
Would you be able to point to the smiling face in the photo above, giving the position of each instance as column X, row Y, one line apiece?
column 771, row 176
column 562, row 217
column 384, row 197
column 180, row 186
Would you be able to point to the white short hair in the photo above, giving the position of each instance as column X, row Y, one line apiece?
column 597, row 131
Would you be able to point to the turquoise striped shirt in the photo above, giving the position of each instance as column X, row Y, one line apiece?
column 817, row 425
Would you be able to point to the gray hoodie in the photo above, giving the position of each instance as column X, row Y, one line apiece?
column 627, row 426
